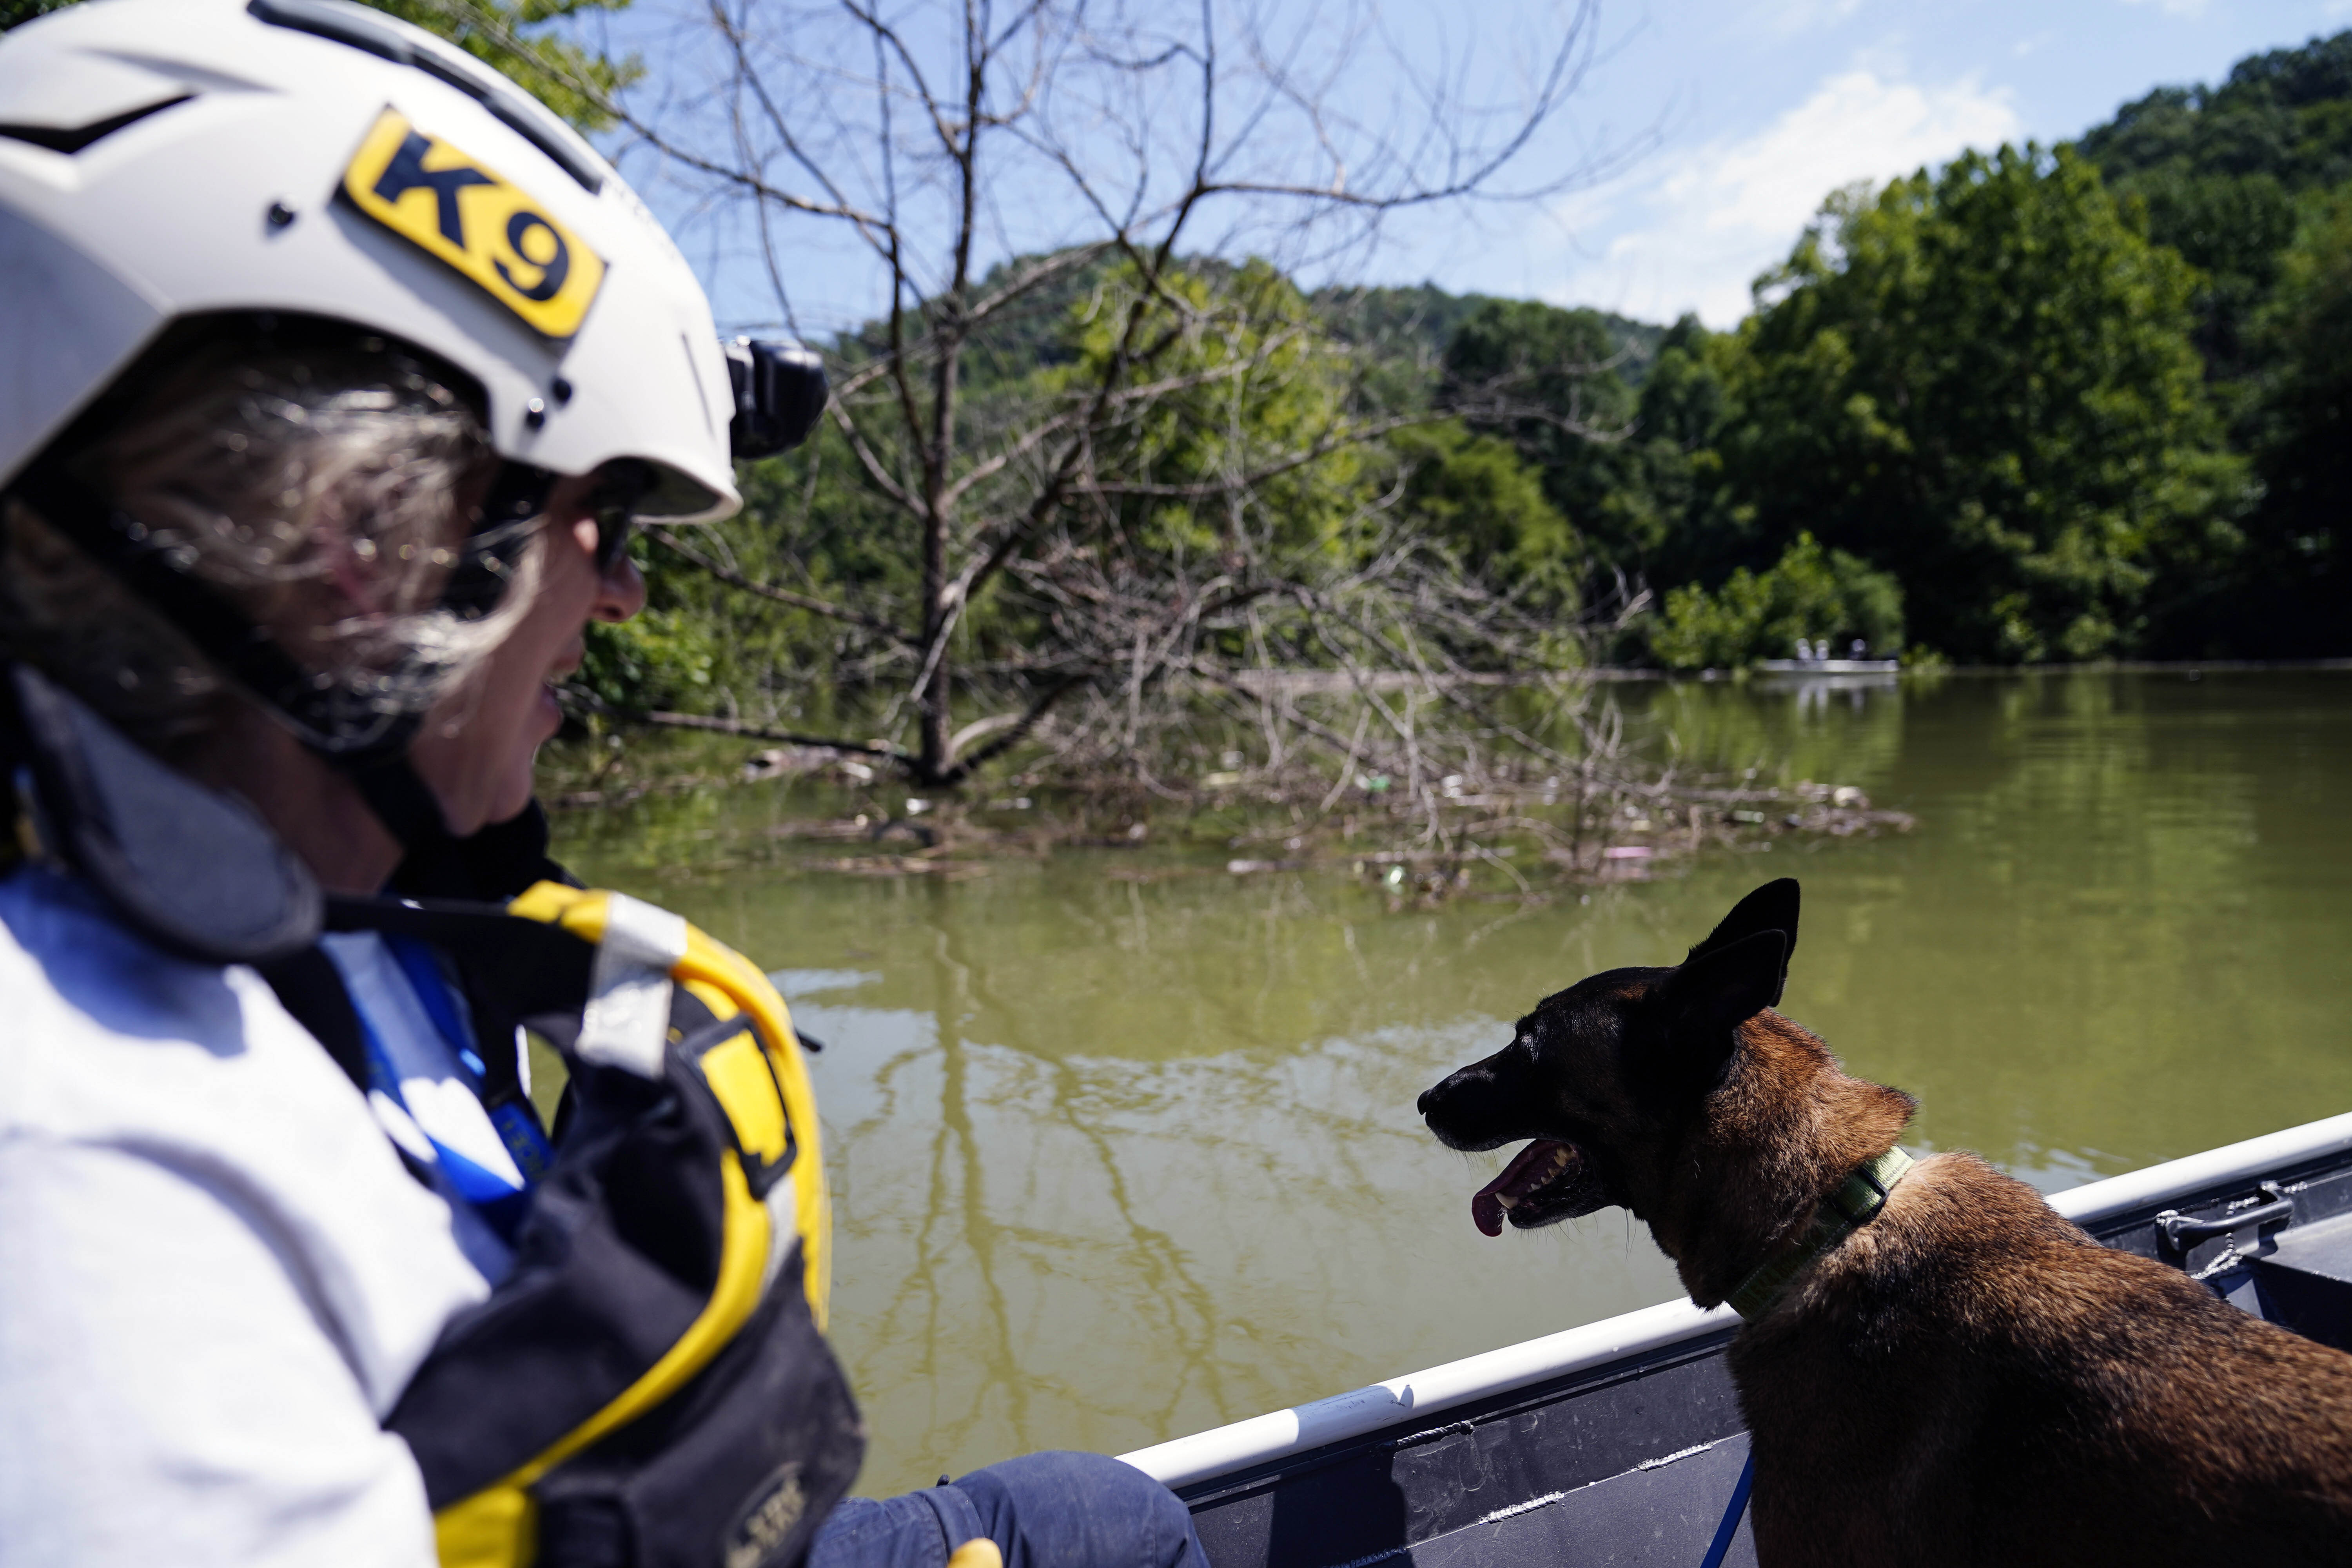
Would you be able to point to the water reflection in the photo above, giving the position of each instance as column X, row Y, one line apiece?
column 1074, row 1210
column 1117, row 1160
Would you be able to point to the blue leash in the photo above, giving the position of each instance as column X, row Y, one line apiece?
column 1730, row 1525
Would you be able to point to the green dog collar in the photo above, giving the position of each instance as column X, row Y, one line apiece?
column 1854, row 1205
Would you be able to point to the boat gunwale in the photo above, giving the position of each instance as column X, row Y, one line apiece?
column 1225, row 1452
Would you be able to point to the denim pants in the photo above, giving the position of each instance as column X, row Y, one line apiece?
column 1043, row 1511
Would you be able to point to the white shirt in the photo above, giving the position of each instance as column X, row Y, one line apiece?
column 215, row 1276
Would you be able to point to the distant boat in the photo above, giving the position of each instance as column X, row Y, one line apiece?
column 1828, row 666
column 1621, row 1442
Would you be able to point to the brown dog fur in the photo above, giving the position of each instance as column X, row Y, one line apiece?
column 1969, row 1379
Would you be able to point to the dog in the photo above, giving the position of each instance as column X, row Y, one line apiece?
column 1937, row 1368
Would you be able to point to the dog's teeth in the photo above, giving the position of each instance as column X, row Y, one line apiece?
column 1506, row 1199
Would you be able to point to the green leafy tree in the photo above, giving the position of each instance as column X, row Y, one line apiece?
column 1619, row 420
column 1248, row 383
column 2217, row 171
column 2286, row 114
column 2231, row 229
column 1809, row 593
column 1982, row 382
column 1480, row 496
column 662, row 658
column 1548, row 378
column 2293, row 598
column 1668, row 488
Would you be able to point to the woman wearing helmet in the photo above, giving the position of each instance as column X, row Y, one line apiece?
column 334, row 370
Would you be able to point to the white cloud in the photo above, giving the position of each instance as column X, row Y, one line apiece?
column 2173, row 7
column 1696, row 238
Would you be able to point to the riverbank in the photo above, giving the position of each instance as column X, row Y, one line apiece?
column 1504, row 833
column 1631, row 783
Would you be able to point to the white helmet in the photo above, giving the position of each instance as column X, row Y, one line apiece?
column 164, row 159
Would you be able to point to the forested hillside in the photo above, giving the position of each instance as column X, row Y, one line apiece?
column 2041, row 403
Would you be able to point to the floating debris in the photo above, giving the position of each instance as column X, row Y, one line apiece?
column 901, row 866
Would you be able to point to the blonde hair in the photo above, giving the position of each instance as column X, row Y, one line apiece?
column 321, row 482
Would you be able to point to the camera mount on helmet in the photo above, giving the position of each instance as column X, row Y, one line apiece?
column 780, row 393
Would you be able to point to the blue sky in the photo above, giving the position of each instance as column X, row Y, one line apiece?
column 1764, row 108
column 1744, row 117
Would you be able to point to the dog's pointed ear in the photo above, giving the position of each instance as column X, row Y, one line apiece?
column 1709, row 998
column 1773, row 907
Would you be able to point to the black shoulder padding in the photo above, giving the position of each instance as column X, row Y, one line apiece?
column 193, row 869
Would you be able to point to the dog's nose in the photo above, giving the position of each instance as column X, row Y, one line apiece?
column 1427, row 1095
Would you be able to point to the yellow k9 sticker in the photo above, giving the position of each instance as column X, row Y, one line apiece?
column 430, row 193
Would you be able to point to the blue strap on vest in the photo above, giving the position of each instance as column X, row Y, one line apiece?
column 518, row 1127
column 498, row 1201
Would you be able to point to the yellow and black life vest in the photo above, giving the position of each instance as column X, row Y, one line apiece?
column 650, row 1385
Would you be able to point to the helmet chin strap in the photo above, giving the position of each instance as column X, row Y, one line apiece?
column 369, row 747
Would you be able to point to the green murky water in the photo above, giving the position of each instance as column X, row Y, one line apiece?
column 1116, row 1160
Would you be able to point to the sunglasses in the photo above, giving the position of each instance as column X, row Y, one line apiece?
column 510, row 518
column 620, row 488
column 612, row 526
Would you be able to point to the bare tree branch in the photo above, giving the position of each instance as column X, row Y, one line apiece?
column 670, row 541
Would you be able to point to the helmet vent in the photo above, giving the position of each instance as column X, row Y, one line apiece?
column 364, row 29
column 57, row 139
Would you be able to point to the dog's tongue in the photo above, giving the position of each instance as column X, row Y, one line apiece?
column 1534, row 1165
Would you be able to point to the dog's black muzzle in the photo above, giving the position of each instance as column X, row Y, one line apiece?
column 1474, row 1109
column 1488, row 1104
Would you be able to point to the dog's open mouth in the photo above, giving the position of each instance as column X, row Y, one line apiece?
column 1542, row 1184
